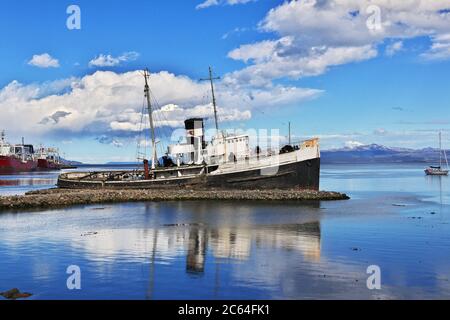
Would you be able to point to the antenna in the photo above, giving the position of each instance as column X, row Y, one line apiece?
column 289, row 133
column 150, row 114
column 440, row 149
column 211, row 79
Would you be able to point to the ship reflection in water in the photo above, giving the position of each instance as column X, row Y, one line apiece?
column 24, row 182
column 236, row 244
column 221, row 238
column 206, row 238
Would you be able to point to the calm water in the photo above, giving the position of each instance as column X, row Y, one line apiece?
column 397, row 219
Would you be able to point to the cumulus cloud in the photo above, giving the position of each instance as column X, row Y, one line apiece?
column 109, row 103
column 109, row 140
column 295, row 66
column 344, row 22
column 314, row 35
column 210, row 3
column 44, row 61
column 103, row 60
column 394, row 48
column 172, row 115
column 260, row 51
column 440, row 49
column 55, row 117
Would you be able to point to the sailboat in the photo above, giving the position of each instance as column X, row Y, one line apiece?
column 439, row 171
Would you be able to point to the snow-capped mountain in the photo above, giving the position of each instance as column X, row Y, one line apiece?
column 374, row 153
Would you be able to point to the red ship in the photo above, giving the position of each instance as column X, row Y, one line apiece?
column 49, row 159
column 15, row 158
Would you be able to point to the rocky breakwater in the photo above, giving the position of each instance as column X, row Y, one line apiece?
column 55, row 198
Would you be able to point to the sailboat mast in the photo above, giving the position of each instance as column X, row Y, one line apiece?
column 150, row 114
column 440, row 149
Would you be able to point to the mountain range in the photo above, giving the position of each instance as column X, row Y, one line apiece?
column 372, row 153
column 375, row 153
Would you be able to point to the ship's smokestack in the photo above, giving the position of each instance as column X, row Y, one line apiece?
column 195, row 136
column 195, row 131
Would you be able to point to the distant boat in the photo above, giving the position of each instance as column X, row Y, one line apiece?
column 439, row 171
column 15, row 158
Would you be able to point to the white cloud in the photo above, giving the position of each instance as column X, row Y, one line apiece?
column 314, row 35
column 394, row 48
column 172, row 115
column 210, row 3
column 109, row 103
column 260, row 51
column 234, row 31
column 55, row 117
column 44, row 61
column 207, row 4
column 103, row 60
column 343, row 22
column 440, row 48
column 316, row 62
column 353, row 144
column 111, row 141
column 380, row 132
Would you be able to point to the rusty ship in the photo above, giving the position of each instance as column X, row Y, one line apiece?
column 227, row 161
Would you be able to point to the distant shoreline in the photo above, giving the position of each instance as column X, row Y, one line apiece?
column 375, row 162
column 323, row 161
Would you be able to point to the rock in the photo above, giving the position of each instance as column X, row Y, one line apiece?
column 14, row 294
column 89, row 234
column 62, row 198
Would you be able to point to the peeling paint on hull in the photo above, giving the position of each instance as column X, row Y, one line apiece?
column 303, row 174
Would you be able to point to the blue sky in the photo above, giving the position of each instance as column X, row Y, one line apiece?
column 325, row 71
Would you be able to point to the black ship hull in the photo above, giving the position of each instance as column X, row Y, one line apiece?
column 302, row 174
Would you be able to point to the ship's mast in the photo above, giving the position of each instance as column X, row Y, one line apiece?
column 440, row 149
column 211, row 80
column 150, row 114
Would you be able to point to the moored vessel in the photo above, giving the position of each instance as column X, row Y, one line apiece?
column 439, row 170
column 226, row 161
column 17, row 158
column 49, row 159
